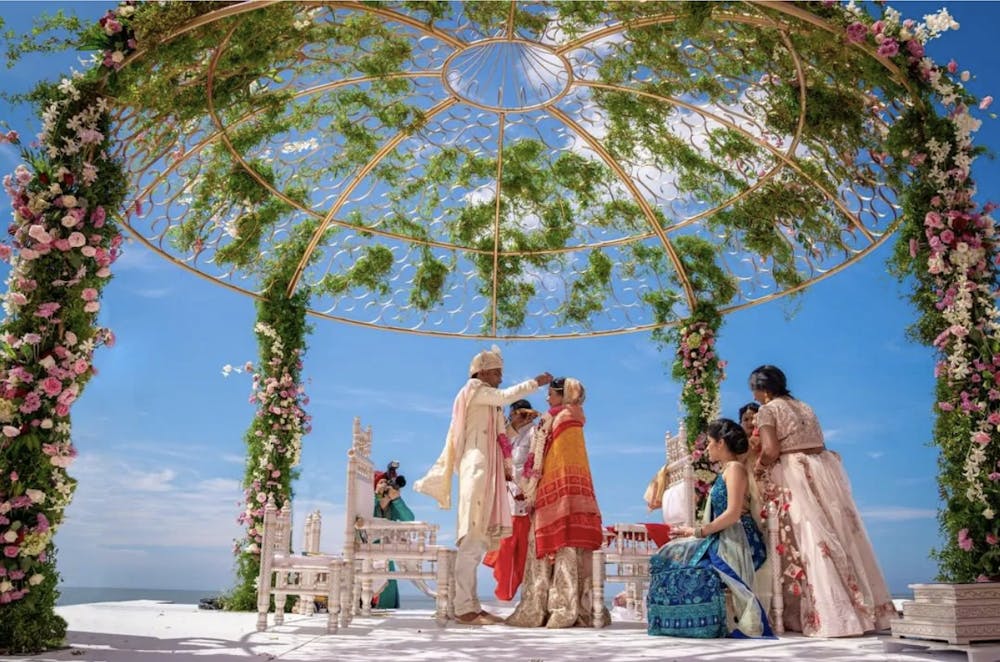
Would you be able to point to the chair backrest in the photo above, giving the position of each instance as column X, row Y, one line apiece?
column 277, row 534
column 313, row 529
column 360, row 472
column 678, row 504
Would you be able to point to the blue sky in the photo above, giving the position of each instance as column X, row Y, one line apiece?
column 159, row 430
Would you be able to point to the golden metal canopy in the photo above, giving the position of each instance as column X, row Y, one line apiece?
column 502, row 106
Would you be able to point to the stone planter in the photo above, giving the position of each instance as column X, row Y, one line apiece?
column 955, row 613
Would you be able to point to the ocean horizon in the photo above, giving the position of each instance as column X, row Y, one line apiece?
column 76, row 595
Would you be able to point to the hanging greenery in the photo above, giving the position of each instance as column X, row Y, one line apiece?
column 870, row 105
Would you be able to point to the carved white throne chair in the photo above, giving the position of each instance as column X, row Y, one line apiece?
column 371, row 542
column 283, row 574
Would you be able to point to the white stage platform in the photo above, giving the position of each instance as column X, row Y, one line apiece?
column 146, row 631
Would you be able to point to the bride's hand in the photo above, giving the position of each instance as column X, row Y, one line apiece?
column 681, row 532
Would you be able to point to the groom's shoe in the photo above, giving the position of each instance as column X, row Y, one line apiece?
column 490, row 617
column 472, row 618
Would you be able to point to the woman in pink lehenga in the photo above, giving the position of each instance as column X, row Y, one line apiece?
column 832, row 583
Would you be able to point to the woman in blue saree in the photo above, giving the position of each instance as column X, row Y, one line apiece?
column 690, row 573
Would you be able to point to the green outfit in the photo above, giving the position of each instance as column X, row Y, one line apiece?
column 397, row 511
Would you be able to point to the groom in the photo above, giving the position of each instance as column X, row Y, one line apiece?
column 475, row 449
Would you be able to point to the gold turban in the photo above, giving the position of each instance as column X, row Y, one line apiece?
column 486, row 360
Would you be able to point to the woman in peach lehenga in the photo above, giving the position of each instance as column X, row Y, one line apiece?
column 832, row 584
column 565, row 519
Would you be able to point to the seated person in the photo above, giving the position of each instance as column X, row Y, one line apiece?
column 689, row 574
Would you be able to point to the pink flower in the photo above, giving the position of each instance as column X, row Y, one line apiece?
column 915, row 48
column 91, row 307
column 944, row 406
column 888, row 48
column 981, row 438
column 89, row 294
column 857, row 32
column 964, row 541
column 51, row 386
column 985, row 103
column 991, row 539
column 13, row 476
column 10, row 431
column 10, row 551
column 47, row 309
column 952, row 67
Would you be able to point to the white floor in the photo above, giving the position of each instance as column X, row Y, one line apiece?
column 145, row 631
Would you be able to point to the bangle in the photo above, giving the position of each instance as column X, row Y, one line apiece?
column 698, row 532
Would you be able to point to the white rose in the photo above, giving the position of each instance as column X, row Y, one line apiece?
column 69, row 201
column 117, row 57
column 36, row 579
column 36, row 496
column 5, row 586
column 46, row 424
column 10, row 536
column 47, row 362
column 126, row 10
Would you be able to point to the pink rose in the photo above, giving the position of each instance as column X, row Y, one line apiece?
column 51, row 386
column 89, row 294
column 985, row 103
column 91, row 307
column 888, row 48
column 964, row 541
column 857, row 32
column 10, row 551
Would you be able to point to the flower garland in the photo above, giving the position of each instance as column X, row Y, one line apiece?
column 701, row 371
column 950, row 247
column 63, row 241
column 274, row 447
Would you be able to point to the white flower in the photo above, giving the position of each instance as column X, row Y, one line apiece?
column 9, row 536
column 36, row 579
column 988, row 513
column 5, row 586
column 36, row 496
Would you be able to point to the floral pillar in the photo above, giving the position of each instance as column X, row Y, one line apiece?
column 700, row 370
column 956, row 248
column 62, row 245
column 274, row 440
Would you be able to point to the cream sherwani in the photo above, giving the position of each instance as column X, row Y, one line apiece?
column 472, row 451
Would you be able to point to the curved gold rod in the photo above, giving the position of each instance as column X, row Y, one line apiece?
column 426, row 28
column 640, row 200
column 221, row 132
column 614, row 332
column 496, row 213
column 510, row 19
column 342, row 199
column 735, row 127
column 789, row 9
column 781, row 6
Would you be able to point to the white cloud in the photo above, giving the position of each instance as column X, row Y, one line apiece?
column 897, row 513
column 397, row 400
column 153, row 293
column 875, row 455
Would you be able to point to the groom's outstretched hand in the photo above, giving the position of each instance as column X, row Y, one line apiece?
column 543, row 379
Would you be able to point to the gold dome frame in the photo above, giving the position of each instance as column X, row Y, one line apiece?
column 142, row 164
